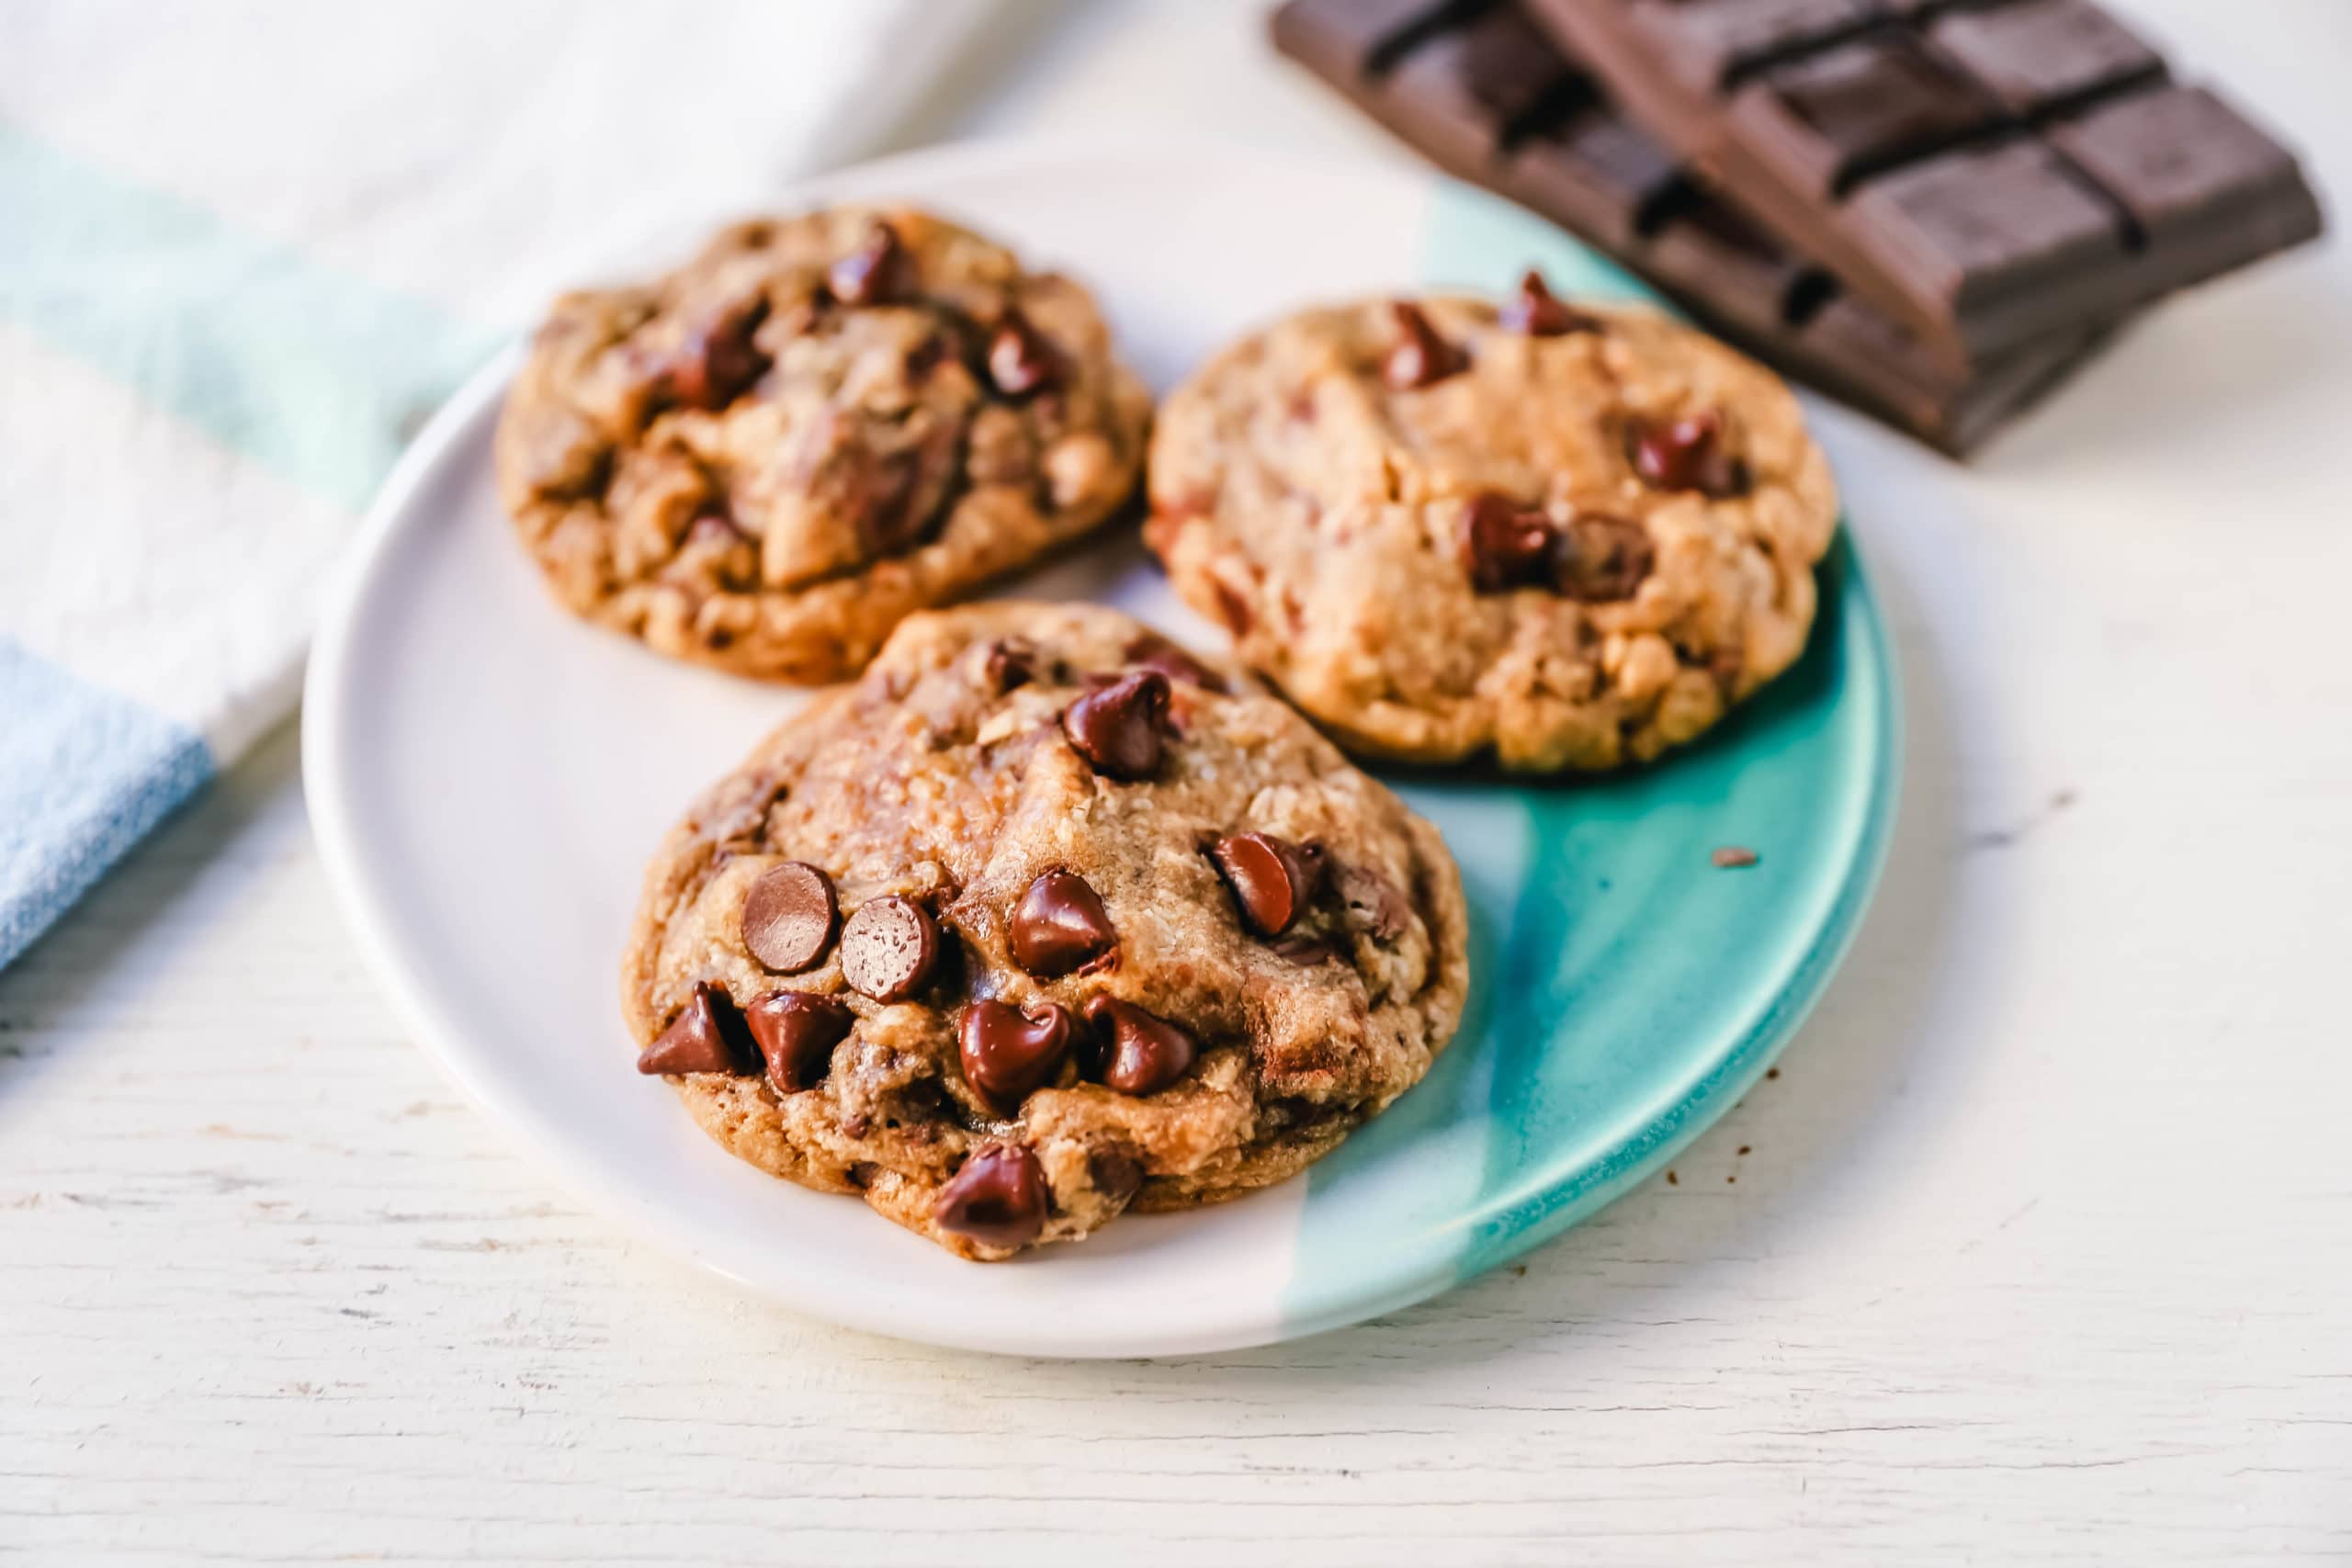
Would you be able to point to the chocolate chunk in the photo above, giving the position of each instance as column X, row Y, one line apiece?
column 1152, row 651
column 718, row 362
column 1118, row 729
column 1504, row 545
column 890, row 949
column 796, row 1033
column 1600, row 559
column 1011, row 663
column 1686, row 453
column 1269, row 878
column 788, row 917
column 1538, row 312
column 1373, row 903
column 1115, row 1173
column 881, row 271
column 1419, row 356
column 708, row 1037
column 998, row 1200
column 1060, row 925
column 1139, row 1053
column 1009, row 1052
column 1020, row 360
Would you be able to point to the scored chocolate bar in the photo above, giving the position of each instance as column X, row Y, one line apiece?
column 1474, row 85
column 1987, row 171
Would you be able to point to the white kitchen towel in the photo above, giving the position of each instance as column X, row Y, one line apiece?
column 246, row 246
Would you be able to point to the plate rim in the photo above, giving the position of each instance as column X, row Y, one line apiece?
column 327, row 727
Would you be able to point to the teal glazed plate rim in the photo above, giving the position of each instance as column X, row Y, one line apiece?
column 486, row 778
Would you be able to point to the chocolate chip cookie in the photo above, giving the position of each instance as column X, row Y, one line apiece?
column 1041, row 920
column 766, row 458
column 1572, row 536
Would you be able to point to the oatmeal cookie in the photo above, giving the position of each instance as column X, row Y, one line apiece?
column 768, row 458
column 1041, row 920
column 1572, row 536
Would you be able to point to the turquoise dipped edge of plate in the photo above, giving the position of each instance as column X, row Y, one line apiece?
column 1626, row 992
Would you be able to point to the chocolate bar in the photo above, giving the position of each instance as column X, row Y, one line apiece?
column 1477, row 87
column 1986, row 171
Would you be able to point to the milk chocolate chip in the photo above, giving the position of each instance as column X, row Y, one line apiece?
column 788, row 917
column 1686, row 453
column 890, row 949
column 1008, row 1052
column 1268, row 877
column 796, row 1033
column 881, row 271
column 997, row 1199
column 709, row 1036
column 1419, row 356
column 1058, row 925
column 1139, row 1054
column 1504, row 545
column 1538, row 312
column 1118, row 729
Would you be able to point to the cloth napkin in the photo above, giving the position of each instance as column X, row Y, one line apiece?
column 246, row 246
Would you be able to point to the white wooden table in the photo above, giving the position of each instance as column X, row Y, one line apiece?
column 2039, row 1250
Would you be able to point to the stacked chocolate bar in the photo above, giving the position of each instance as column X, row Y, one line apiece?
column 1931, row 210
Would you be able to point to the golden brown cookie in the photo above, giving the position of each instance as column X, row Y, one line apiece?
column 766, row 458
column 1041, row 920
column 1570, row 535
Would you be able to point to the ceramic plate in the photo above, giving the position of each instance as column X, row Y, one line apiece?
column 487, row 777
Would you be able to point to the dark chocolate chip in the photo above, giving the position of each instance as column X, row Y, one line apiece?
column 1009, row 1052
column 796, row 1033
column 1118, row 728
column 1060, row 925
column 1538, row 312
column 709, row 1036
column 1504, row 545
column 1686, row 453
column 789, row 918
column 718, row 362
column 881, row 271
column 1601, row 560
column 1020, row 360
column 997, row 1199
column 1268, row 877
column 890, row 949
column 1373, row 904
column 1011, row 662
column 1419, row 356
column 1152, row 651
column 1306, row 950
column 1115, row 1173
column 1139, row 1054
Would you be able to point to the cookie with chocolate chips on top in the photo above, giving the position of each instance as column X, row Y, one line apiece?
column 1569, row 535
column 768, row 458
column 1042, row 920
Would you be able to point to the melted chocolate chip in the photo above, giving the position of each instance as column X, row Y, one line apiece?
column 1419, row 356
column 788, row 917
column 1601, row 560
column 796, row 1033
column 1011, row 662
column 1538, row 312
column 1115, row 1173
column 1152, row 651
column 708, row 1037
column 1686, row 453
column 1505, row 545
column 881, row 271
column 718, row 362
column 1268, row 877
column 1020, row 360
column 997, row 1199
column 1009, row 1052
column 890, row 949
column 1373, row 904
column 1060, row 925
column 1117, row 729
column 1139, row 1054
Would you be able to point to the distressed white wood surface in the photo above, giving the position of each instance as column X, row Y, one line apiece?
column 2039, row 1250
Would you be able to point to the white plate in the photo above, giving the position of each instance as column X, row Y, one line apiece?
column 487, row 776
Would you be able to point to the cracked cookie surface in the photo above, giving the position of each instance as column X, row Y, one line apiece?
column 766, row 458
column 1572, row 536
column 1041, row 920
